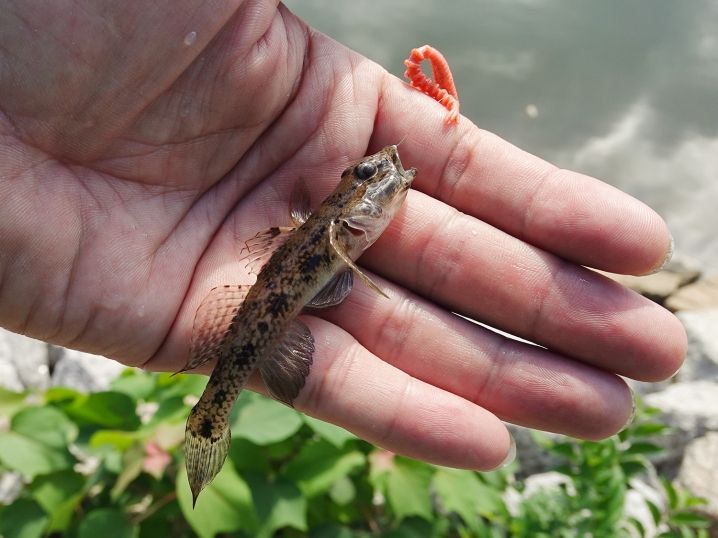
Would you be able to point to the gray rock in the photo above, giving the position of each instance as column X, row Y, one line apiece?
column 657, row 286
column 702, row 294
column 532, row 457
column 702, row 359
column 24, row 362
column 691, row 409
column 699, row 470
column 85, row 372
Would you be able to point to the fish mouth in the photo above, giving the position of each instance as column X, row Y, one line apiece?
column 406, row 175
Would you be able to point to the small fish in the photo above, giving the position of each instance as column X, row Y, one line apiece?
column 250, row 327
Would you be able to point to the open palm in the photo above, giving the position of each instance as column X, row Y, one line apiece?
column 142, row 144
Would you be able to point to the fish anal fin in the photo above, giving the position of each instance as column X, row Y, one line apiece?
column 285, row 371
column 335, row 292
column 261, row 247
column 211, row 323
column 300, row 203
column 343, row 255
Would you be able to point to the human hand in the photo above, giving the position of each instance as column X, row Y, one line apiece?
column 140, row 148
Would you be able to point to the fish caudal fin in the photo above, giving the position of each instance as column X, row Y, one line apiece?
column 205, row 452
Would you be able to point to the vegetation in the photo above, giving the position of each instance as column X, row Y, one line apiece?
column 110, row 465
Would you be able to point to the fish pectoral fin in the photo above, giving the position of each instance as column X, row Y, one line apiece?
column 261, row 247
column 285, row 371
column 343, row 255
column 211, row 323
column 300, row 203
column 205, row 452
column 335, row 292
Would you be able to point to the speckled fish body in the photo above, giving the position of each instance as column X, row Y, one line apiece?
column 246, row 328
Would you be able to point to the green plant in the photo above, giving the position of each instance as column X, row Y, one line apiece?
column 111, row 464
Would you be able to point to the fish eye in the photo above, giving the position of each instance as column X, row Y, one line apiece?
column 365, row 170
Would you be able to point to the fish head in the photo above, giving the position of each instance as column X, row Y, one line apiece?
column 379, row 184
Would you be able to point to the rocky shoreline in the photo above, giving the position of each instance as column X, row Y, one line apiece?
column 688, row 401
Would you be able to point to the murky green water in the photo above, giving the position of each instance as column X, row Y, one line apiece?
column 626, row 91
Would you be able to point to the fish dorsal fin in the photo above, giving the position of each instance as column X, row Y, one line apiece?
column 211, row 323
column 300, row 203
column 285, row 371
column 261, row 247
column 335, row 292
column 343, row 255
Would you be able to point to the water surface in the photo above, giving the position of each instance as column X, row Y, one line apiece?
column 623, row 91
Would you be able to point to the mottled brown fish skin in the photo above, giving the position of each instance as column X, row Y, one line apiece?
column 296, row 273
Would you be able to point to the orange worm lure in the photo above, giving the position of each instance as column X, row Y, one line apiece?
column 442, row 87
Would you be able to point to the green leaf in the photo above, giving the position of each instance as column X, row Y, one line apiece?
column 30, row 457
column 646, row 430
column 170, row 410
column 408, row 488
column 670, row 493
column 225, row 505
column 121, row 440
column 330, row 530
column 633, row 466
column 655, row 512
column 279, row 504
column 112, row 410
column 137, row 385
column 320, row 464
column 247, row 456
column 643, row 448
column 329, row 432
column 10, row 402
column 264, row 421
column 58, row 494
column 343, row 491
column 689, row 518
column 23, row 519
column 105, row 523
column 46, row 425
column 181, row 385
column 462, row 492
column 132, row 461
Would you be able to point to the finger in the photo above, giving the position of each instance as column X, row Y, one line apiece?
column 352, row 388
column 574, row 216
column 483, row 273
column 520, row 383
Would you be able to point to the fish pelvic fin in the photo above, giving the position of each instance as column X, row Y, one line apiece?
column 206, row 448
column 343, row 255
column 285, row 371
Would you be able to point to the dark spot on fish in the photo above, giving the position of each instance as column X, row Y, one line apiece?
column 274, row 231
column 206, row 429
column 220, row 396
column 312, row 262
column 278, row 304
column 262, row 327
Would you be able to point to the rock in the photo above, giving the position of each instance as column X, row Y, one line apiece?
column 24, row 362
column 533, row 458
column 702, row 358
column 699, row 471
column 702, row 294
column 691, row 409
column 85, row 372
column 657, row 286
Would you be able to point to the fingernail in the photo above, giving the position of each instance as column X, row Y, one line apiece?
column 511, row 456
column 668, row 257
column 633, row 410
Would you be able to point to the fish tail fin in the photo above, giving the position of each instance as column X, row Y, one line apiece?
column 206, row 448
